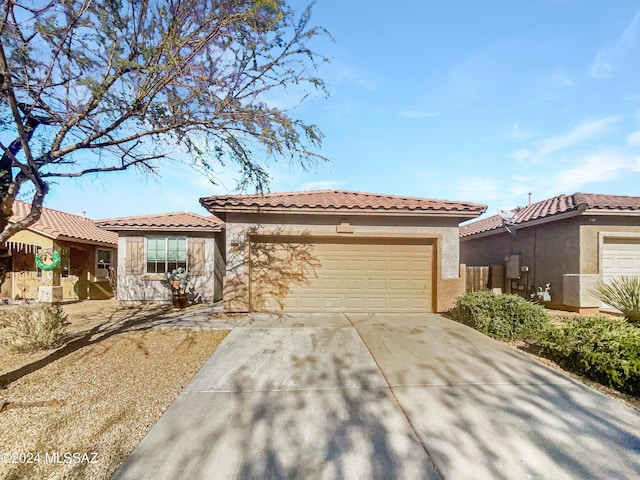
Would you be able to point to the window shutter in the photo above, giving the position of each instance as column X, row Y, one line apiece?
column 134, row 264
column 195, row 247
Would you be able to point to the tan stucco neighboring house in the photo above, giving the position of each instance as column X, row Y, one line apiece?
column 343, row 251
column 152, row 245
column 569, row 241
column 86, row 254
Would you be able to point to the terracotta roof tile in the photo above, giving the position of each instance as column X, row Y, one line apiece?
column 554, row 206
column 336, row 200
column 170, row 221
column 54, row 224
column 608, row 202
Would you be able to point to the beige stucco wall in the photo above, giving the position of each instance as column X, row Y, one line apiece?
column 149, row 287
column 81, row 282
column 444, row 231
column 593, row 229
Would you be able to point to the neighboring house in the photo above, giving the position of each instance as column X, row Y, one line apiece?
column 152, row 245
column 86, row 253
column 569, row 241
column 333, row 250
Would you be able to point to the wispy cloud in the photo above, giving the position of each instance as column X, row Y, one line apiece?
column 416, row 114
column 582, row 174
column 488, row 189
column 583, row 132
column 518, row 133
column 599, row 167
column 560, row 78
column 353, row 76
column 320, row 185
column 634, row 138
column 611, row 56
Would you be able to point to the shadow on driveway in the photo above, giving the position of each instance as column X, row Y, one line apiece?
column 382, row 397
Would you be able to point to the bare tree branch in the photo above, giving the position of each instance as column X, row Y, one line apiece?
column 119, row 81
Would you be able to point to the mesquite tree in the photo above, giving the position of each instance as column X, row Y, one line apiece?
column 91, row 86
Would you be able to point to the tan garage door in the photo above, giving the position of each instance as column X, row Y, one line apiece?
column 620, row 257
column 297, row 274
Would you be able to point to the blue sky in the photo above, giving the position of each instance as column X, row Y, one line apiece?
column 458, row 100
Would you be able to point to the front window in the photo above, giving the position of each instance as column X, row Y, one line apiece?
column 165, row 254
column 103, row 263
column 65, row 262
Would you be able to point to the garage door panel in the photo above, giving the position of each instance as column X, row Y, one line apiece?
column 620, row 257
column 368, row 275
column 401, row 285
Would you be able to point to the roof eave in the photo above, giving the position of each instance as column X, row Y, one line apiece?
column 616, row 212
column 530, row 223
column 163, row 229
column 468, row 214
column 98, row 243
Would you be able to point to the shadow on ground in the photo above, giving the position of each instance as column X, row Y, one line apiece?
column 122, row 320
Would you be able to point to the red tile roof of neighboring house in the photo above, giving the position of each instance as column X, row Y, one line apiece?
column 548, row 209
column 56, row 224
column 331, row 200
column 164, row 221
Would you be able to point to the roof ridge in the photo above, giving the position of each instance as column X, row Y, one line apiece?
column 550, row 208
column 56, row 211
column 333, row 190
column 57, row 223
column 183, row 212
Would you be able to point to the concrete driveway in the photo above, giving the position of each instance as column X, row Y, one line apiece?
column 382, row 396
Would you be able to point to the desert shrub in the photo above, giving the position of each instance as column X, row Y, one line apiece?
column 604, row 349
column 33, row 327
column 623, row 293
column 505, row 317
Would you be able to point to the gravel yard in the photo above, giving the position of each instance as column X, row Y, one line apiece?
column 84, row 407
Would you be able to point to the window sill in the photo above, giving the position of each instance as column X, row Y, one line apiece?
column 150, row 277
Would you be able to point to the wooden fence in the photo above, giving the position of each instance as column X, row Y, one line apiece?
column 477, row 279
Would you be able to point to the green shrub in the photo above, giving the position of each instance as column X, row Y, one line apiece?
column 604, row 349
column 31, row 328
column 623, row 293
column 505, row 317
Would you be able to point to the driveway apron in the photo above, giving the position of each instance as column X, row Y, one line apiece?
column 382, row 396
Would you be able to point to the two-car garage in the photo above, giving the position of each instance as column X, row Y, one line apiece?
column 302, row 274
column 340, row 251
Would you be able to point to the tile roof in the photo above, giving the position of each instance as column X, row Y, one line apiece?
column 547, row 209
column 55, row 224
column 164, row 221
column 331, row 200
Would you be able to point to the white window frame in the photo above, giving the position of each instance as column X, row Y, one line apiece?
column 166, row 239
column 102, row 274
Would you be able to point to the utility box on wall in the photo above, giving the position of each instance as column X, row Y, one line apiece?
column 512, row 265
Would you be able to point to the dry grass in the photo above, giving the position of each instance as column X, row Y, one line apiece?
column 101, row 397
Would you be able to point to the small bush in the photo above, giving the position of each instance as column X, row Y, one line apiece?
column 604, row 349
column 622, row 293
column 31, row 328
column 505, row 317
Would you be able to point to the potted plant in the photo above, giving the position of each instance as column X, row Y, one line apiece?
column 177, row 280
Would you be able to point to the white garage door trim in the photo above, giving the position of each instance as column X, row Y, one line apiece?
column 620, row 257
column 355, row 274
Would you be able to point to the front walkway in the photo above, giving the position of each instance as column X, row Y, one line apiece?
column 382, row 396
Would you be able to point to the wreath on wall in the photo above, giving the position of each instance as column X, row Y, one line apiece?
column 49, row 255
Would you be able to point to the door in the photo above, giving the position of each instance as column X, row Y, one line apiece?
column 299, row 274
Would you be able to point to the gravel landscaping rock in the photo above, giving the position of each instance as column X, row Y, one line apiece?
column 80, row 415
